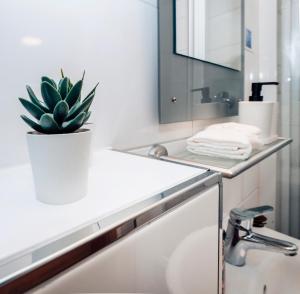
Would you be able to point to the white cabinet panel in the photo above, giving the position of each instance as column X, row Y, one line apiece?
column 177, row 253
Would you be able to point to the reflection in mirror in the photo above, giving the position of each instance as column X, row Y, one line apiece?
column 210, row 30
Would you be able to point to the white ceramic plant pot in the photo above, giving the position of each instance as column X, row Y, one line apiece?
column 60, row 165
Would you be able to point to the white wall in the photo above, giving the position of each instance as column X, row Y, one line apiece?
column 252, row 55
column 114, row 41
column 261, row 61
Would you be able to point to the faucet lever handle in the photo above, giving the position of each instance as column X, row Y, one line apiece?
column 237, row 214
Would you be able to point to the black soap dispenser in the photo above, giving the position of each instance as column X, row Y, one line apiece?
column 256, row 90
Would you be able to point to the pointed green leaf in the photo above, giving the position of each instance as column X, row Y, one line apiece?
column 83, row 107
column 87, row 116
column 89, row 104
column 32, row 108
column 92, row 92
column 74, row 94
column 50, row 95
column 48, row 124
column 73, row 108
column 32, row 124
column 64, row 88
column 70, row 86
column 62, row 73
column 59, row 84
column 50, row 81
column 74, row 124
column 60, row 111
column 34, row 99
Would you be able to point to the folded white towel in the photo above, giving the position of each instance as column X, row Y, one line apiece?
column 253, row 133
column 240, row 155
column 226, row 138
column 229, row 140
column 249, row 129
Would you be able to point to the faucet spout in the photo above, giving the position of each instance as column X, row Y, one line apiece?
column 261, row 242
column 239, row 239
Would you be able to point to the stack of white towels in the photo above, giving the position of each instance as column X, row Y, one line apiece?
column 226, row 140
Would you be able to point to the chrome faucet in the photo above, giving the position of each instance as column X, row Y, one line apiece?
column 240, row 237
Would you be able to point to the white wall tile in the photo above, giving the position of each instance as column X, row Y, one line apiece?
column 251, row 201
column 232, row 193
column 250, row 181
column 268, row 186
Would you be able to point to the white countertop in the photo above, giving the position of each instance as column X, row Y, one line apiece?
column 117, row 180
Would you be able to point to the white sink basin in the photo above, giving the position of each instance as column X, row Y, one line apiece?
column 265, row 272
column 194, row 271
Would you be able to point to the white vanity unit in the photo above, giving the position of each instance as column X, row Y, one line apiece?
column 128, row 235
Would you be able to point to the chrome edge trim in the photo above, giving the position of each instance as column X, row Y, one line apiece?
column 169, row 199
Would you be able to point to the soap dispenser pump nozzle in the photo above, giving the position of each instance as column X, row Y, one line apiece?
column 256, row 90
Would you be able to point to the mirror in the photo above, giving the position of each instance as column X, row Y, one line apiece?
column 209, row 30
column 190, row 88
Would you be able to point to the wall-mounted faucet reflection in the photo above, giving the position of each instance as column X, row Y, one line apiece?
column 205, row 94
column 224, row 97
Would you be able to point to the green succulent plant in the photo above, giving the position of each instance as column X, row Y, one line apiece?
column 62, row 109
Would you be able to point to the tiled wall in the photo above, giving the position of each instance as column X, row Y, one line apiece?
column 254, row 187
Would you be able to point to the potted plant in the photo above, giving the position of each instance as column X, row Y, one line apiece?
column 59, row 148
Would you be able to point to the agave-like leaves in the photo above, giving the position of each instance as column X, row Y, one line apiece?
column 70, row 86
column 62, row 110
column 32, row 108
column 50, row 81
column 87, row 116
column 32, row 124
column 34, row 99
column 74, row 124
column 50, row 95
column 64, row 87
column 74, row 94
column 80, row 107
column 48, row 124
column 92, row 92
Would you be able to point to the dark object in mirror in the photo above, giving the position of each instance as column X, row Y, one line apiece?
column 205, row 94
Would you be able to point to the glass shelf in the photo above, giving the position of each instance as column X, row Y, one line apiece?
column 228, row 167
